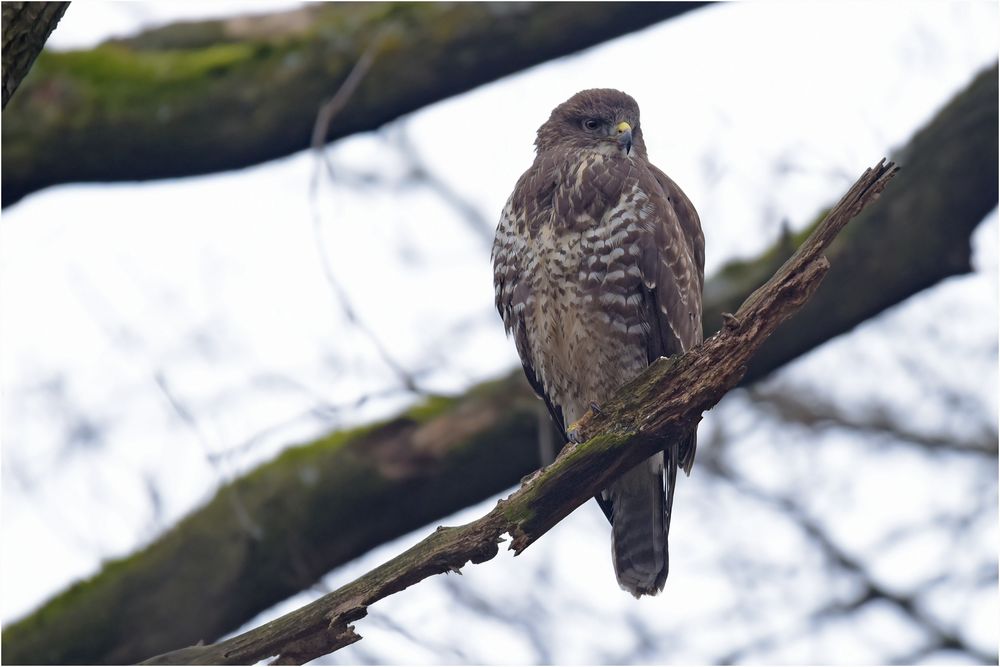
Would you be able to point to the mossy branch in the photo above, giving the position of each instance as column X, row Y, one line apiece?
column 439, row 455
column 663, row 402
column 196, row 98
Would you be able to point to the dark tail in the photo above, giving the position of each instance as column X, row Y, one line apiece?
column 640, row 504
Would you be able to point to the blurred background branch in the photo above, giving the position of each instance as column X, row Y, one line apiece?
column 946, row 186
column 436, row 475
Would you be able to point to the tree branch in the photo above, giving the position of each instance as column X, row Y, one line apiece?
column 445, row 454
column 663, row 402
column 196, row 98
column 26, row 28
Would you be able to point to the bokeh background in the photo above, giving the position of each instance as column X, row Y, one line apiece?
column 160, row 339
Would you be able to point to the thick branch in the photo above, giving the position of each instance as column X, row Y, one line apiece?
column 662, row 403
column 26, row 28
column 195, row 98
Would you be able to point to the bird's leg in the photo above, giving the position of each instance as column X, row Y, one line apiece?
column 595, row 408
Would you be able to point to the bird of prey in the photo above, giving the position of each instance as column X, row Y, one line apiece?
column 598, row 267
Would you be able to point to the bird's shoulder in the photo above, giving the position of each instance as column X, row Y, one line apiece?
column 671, row 263
column 685, row 215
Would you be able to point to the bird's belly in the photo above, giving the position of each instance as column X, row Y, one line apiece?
column 580, row 338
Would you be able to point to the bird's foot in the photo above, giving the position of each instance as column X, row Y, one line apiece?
column 573, row 433
column 730, row 321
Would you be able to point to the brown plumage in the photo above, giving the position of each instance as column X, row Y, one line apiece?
column 598, row 268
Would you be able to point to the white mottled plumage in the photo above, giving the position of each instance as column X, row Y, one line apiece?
column 598, row 269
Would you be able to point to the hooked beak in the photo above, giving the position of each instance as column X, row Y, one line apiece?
column 624, row 136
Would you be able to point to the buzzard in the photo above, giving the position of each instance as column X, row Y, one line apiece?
column 598, row 266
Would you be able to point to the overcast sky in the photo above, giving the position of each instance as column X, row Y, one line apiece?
column 204, row 288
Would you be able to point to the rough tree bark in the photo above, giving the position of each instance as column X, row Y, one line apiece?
column 494, row 432
column 26, row 28
column 662, row 403
column 195, row 98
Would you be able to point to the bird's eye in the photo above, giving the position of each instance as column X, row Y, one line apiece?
column 591, row 124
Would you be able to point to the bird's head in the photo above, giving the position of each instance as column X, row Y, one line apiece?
column 601, row 119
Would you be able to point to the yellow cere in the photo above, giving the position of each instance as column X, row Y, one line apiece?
column 623, row 127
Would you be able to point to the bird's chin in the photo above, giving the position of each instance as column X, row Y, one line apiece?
column 614, row 150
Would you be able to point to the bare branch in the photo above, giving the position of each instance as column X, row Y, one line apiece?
column 664, row 401
column 872, row 590
column 802, row 407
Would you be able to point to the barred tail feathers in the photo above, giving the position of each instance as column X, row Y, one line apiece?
column 641, row 504
column 639, row 528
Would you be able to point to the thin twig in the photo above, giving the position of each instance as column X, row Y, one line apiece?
column 420, row 171
column 336, row 104
column 124, row 337
column 231, row 490
column 321, row 129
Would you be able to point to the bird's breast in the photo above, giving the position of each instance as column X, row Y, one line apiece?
column 585, row 318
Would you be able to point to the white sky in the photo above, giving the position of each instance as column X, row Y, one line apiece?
column 127, row 280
